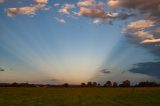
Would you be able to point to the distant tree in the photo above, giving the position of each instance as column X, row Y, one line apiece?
column 147, row 84
column 125, row 83
column 14, row 84
column 83, row 84
column 108, row 83
column 66, row 85
column 115, row 84
column 94, row 84
column 89, row 84
column 98, row 85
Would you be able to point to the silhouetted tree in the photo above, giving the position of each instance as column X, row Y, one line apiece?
column 98, row 85
column 66, row 85
column 14, row 84
column 94, row 84
column 147, row 84
column 89, row 84
column 108, row 83
column 125, row 83
column 83, row 84
column 115, row 84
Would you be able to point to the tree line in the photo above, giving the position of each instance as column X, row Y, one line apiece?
column 125, row 83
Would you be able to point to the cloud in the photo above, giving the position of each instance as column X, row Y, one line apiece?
column 1, row 69
column 91, row 4
column 97, row 21
column 147, row 10
column 100, row 15
column 85, row 3
column 142, row 35
column 148, row 68
column 145, row 29
column 56, row 4
column 28, row 10
column 65, row 8
column 151, row 41
column 151, row 6
column 105, row 71
column 148, row 15
column 140, row 25
column 41, row 1
column 62, row 21
column 94, row 13
column 113, row 3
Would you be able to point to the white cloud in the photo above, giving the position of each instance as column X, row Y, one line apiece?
column 28, row 10
column 41, row 1
column 150, row 41
column 140, row 25
column 62, row 21
column 142, row 34
column 65, row 8
column 85, row 3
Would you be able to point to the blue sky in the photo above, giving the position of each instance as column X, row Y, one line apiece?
column 41, row 43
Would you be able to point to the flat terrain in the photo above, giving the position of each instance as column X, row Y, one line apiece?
column 79, row 96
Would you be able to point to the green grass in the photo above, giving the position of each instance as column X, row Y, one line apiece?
column 79, row 96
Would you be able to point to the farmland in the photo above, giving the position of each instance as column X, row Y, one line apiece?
column 79, row 96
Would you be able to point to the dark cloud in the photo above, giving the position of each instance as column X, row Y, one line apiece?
column 148, row 16
column 148, row 68
column 1, row 69
column 105, row 71
column 145, row 6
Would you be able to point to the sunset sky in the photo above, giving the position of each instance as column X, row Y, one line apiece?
column 74, row 41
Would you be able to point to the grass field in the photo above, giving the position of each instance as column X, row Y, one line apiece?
column 79, row 96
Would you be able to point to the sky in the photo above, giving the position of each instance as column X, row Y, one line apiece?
column 74, row 41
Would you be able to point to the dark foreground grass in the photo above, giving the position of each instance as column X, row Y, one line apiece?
column 79, row 96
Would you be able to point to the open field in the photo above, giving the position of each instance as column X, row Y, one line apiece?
column 79, row 96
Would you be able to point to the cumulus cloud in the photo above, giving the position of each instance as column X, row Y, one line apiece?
column 101, row 15
column 93, row 13
column 113, row 3
column 65, row 8
column 151, row 41
column 145, row 30
column 142, row 34
column 85, row 3
column 96, row 13
column 147, row 8
column 143, row 5
column 41, row 1
column 148, row 15
column 62, row 21
column 28, row 10
column 140, row 25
